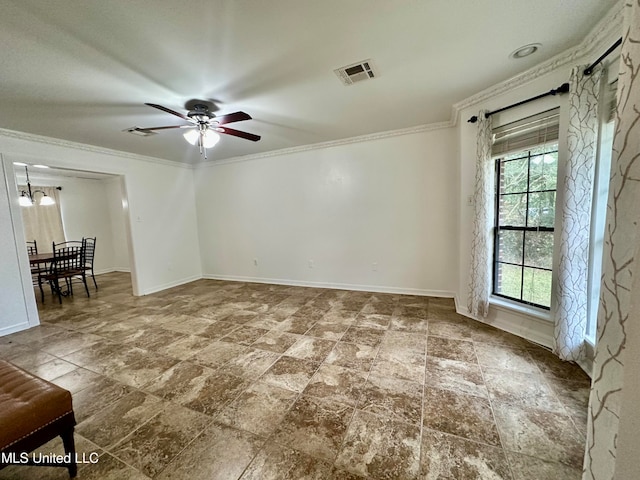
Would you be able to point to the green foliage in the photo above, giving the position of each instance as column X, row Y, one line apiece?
column 536, row 285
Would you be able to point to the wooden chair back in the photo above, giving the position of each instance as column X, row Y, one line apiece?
column 32, row 248
column 89, row 251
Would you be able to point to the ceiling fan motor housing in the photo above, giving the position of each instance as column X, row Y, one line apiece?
column 200, row 112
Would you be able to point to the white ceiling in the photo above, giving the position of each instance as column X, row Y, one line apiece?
column 82, row 71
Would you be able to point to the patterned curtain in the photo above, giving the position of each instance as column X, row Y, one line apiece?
column 482, row 243
column 573, row 267
column 622, row 237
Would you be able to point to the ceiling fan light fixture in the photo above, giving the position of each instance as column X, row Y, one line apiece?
column 204, row 128
column 192, row 136
column 210, row 138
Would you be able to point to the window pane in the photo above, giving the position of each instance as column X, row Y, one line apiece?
column 538, row 251
column 544, row 171
column 509, row 278
column 537, row 286
column 513, row 209
column 542, row 210
column 510, row 246
column 514, row 176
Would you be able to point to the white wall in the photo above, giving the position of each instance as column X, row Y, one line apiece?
column 83, row 205
column 390, row 201
column 17, row 301
column 93, row 208
column 116, row 204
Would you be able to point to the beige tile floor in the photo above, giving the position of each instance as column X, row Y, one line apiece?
column 227, row 380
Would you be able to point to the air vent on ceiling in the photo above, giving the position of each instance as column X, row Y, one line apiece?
column 356, row 72
column 139, row 131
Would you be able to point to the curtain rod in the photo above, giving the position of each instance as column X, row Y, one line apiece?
column 589, row 69
column 564, row 88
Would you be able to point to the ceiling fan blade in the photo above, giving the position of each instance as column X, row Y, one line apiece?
column 168, row 110
column 232, row 117
column 165, row 128
column 238, row 133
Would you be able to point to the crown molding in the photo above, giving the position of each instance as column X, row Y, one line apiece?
column 592, row 43
column 332, row 143
column 57, row 142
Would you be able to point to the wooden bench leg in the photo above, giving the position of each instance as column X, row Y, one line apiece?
column 70, row 447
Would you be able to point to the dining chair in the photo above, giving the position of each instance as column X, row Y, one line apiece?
column 89, row 252
column 67, row 263
column 32, row 248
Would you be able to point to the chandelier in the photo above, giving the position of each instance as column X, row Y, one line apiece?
column 27, row 197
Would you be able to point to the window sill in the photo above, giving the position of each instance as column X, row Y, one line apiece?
column 504, row 304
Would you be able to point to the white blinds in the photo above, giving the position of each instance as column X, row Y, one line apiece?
column 526, row 133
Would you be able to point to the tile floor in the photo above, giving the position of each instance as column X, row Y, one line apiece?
column 228, row 380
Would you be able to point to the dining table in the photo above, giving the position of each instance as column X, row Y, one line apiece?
column 38, row 259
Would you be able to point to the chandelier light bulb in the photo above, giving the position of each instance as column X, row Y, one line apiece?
column 47, row 200
column 24, row 201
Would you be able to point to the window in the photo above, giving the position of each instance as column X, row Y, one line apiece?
column 599, row 205
column 526, row 180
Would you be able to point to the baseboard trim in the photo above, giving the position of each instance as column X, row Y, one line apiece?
column 111, row 270
column 586, row 363
column 336, row 286
column 176, row 283
column 534, row 329
column 15, row 328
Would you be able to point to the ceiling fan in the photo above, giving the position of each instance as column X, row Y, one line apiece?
column 204, row 126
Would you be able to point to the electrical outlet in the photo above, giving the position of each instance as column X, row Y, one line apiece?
column 374, row 266
column 310, row 263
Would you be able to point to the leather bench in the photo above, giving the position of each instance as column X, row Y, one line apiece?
column 32, row 412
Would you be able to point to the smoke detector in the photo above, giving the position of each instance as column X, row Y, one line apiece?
column 356, row 72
